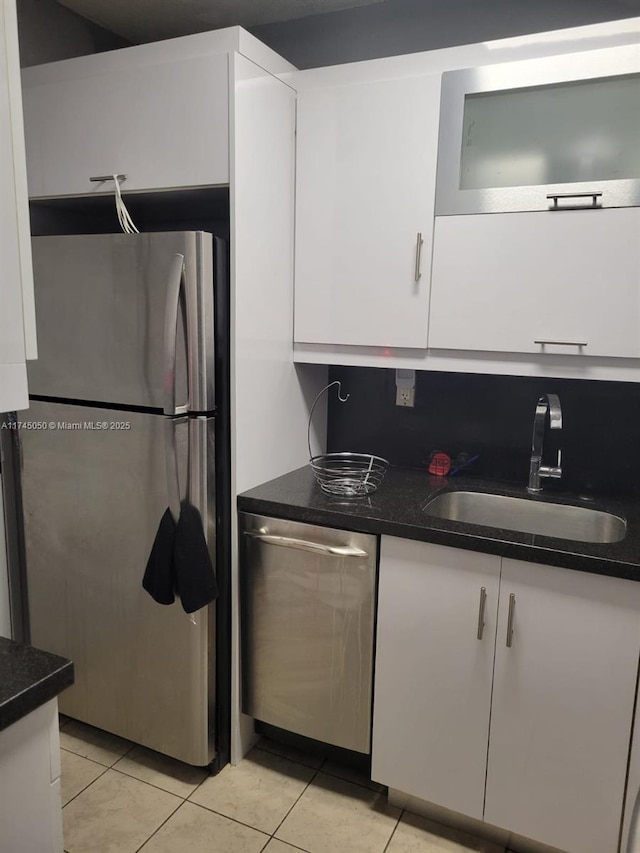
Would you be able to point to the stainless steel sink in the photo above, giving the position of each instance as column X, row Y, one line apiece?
column 576, row 523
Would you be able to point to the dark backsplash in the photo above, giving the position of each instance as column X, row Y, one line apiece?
column 493, row 416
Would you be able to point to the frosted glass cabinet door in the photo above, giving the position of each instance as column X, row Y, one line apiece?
column 586, row 130
column 365, row 184
column 558, row 132
column 562, row 709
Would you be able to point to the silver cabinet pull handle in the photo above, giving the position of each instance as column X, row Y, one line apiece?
column 563, row 343
column 102, row 178
column 512, row 610
column 304, row 545
column 594, row 196
column 419, row 242
column 483, row 601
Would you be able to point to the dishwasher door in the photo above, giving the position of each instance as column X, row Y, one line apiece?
column 308, row 604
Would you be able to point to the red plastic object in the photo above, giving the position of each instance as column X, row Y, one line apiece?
column 440, row 464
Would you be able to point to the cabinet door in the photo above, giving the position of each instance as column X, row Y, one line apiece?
column 163, row 125
column 17, row 318
column 366, row 160
column 631, row 824
column 562, row 707
column 30, row 806
column 433, row 673
column 514, row 133
column 510, row 282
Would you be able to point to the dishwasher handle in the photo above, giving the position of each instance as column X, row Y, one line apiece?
column 305, row 545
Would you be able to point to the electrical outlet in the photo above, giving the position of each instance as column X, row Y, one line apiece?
column 405, row 387
column 406, row 396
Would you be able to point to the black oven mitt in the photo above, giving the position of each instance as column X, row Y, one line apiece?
column 159, row 575
column 195, row 580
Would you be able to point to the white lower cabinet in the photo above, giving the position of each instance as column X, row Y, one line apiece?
column 562, row 710
column 433, row 675
column 552, row 764
column 30, row 795
column 631, row 825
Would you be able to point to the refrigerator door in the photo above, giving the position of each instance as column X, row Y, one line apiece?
column 93, row 498
column 125, row 319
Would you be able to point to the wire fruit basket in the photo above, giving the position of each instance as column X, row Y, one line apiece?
column 346, row 474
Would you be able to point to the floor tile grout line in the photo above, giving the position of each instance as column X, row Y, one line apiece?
column 275, row 838
column 128, row 776
column 319, row 768
column 71, row 720
column 273, row 834
column 227, row 817
column 269, row 837
column 288, row 757
column 208, row 775
column 86, row 757
column 80, row 754
column 351, row 781
column 124, row 773
column 311, row 780
column 386, row 846
column 87, row 785
column 77, row 754
column 151, row 784
column 288, row 843
column 158, row 828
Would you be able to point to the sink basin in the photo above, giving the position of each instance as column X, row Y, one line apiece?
column 580, row 524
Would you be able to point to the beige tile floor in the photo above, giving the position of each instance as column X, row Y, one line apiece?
column 121, row 798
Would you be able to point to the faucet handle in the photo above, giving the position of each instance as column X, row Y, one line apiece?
column 552, row 471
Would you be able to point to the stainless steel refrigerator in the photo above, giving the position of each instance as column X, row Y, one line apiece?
column 126, row 419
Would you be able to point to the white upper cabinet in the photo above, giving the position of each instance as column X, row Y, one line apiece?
column 365, row 184
column 550, row 283
column 162, row 123
column 554, row 133
column 17, row 313
column 537, row 230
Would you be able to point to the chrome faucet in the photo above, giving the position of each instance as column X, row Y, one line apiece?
column 548, row 403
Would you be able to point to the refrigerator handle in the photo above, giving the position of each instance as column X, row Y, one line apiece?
column 171, row 464
column 633, row 845
column 172, row 306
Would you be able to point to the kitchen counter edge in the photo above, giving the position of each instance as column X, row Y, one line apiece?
column 396, row 509
column 29, row 677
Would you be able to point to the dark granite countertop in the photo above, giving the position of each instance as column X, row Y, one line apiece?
column 396, row 509
column 28, row 678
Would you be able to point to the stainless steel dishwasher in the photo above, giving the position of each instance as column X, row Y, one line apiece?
column 308, row 599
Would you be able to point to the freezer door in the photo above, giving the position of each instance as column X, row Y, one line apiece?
column 93, row 498
column 308, row 601
column 121, row 319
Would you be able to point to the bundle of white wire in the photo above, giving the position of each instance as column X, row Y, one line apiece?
column 125, row 220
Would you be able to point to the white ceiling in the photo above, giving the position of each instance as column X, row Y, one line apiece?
column 150, row 20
